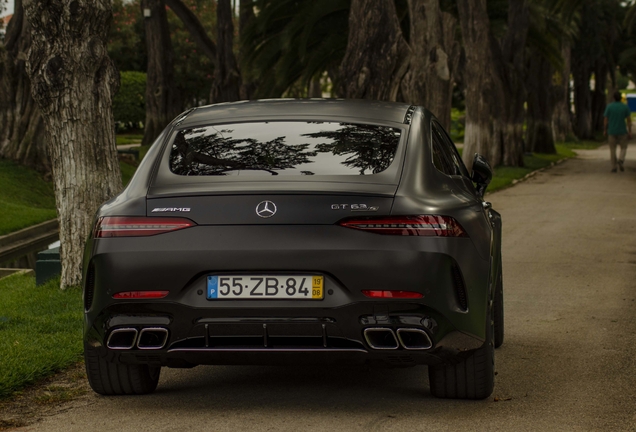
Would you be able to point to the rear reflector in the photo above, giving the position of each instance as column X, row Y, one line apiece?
column 132, row 226
column 141, row 294
column 392, row 294
column 423, row 225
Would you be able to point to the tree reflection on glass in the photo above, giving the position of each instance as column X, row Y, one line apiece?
column 200, row 152
column 290, row 148
column 370, row 148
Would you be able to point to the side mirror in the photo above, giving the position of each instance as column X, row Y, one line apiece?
column 482, row 173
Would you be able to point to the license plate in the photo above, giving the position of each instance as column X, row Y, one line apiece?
column 265, row 287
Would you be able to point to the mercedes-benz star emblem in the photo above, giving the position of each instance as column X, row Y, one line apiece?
column 266, row 209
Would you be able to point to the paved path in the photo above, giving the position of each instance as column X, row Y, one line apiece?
column 568, row 363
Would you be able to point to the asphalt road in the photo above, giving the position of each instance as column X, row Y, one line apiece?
column 568, row 362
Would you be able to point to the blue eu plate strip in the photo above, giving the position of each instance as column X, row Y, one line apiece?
column 213, row 287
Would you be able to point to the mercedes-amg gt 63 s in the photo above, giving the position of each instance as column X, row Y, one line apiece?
column 297, row 231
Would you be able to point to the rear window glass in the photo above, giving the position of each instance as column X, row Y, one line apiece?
column 284, row 148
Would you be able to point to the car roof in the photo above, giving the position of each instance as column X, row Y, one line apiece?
column 393, row 112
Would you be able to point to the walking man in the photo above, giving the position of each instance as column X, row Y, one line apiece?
column 618, row 128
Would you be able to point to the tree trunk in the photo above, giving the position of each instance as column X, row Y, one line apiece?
column 22, row 136
column 227, row 78
column 512, row 70
column 429, row 81
column 581, row 73
column 194, row 27
column 562, row 115
column 540, row 138
column 162, row 102
column 482, row 85
column 73, row 81
column 599, row 96
column 246, row 15
column 377, row 55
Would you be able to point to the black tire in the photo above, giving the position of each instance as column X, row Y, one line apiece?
column 499, row 313
column 471, row 378
column 111, row 379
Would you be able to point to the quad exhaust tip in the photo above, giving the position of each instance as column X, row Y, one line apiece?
column 147, row 339
column 152, row 338
column 414, row 339
column 381, row 338
column 122, row 338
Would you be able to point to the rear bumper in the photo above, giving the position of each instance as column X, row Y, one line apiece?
column 274, row 336
column 201, row 331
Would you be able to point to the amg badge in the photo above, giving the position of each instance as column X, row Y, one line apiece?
column 170, row 209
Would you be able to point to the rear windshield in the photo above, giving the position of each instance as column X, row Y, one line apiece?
column 284, row 148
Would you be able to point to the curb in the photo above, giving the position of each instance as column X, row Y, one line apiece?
column 533, row 173
column 19, row 243
column 530, row 175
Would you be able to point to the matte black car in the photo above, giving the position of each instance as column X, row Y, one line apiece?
column 297, row 231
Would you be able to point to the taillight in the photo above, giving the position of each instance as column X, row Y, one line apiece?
column 132, row 226
column 391, row 294
column 140, row 294
column 423, row 225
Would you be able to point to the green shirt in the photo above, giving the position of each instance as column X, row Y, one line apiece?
column 616, row 114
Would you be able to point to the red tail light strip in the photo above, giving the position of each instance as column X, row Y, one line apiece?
column 423, row 225
column 140, row 294
column 128, row 226
column 392, row 294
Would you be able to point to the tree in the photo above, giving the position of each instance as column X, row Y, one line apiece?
column 22, row 136
column 291, row 43
column 482, row 85
column 73, row 81
column 227, row 77
column 377, row 56
column 434, row 57
column 162, row 101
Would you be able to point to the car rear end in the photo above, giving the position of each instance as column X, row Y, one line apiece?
column 233, row 260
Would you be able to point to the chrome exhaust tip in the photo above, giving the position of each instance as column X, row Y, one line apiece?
column 414, row 339
column 122, row 339
column 381, row 338
column 152, row 338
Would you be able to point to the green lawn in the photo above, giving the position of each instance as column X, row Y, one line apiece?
column 40, row 330
column 25, row 198
column 123, row 139
column 504, row 176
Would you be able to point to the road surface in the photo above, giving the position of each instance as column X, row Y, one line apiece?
column 568, row 362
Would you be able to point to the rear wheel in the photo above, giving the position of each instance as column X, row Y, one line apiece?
column 108, row 378
column 471, row 378
column 499, row 313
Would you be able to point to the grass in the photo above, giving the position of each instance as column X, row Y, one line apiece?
column 505, row 176
column 123, row 139
column 25, row 197
column 40, row 330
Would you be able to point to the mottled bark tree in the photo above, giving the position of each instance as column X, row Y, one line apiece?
column 483, row 85
column 512, row 70
column 162, row 101
column 494, row 80
column 434, row 54
column 22, row 135
column 227, row 78
column 377, row 56
column 73, row 82
column 539, row 136
column 561, row 114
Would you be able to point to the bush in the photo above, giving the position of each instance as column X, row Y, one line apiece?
column 129, row 104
